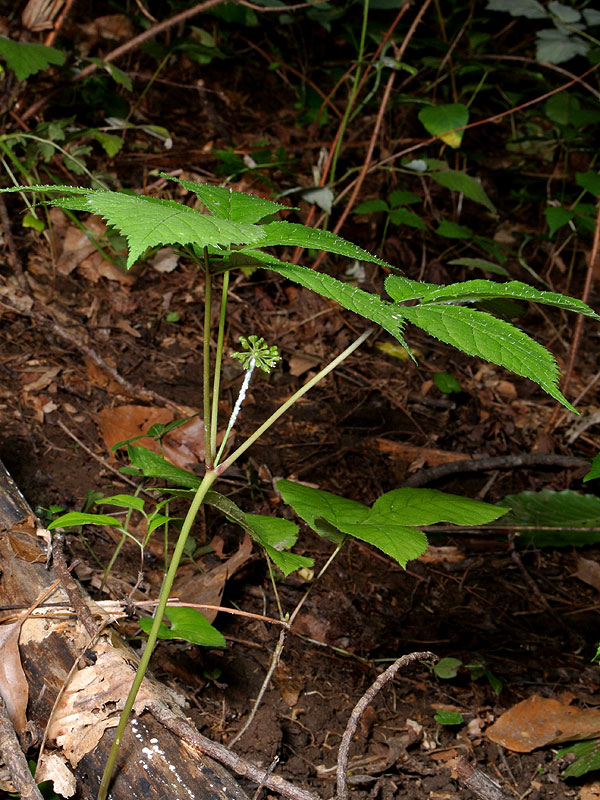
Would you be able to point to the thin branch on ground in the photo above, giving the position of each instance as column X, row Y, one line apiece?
column 95, row 456
column 425, row 476
column 360, row 708
column 58, row 23
column 476, row 781
column 14, row 758
column 245, row 769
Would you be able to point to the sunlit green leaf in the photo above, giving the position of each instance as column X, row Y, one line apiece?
column 187, row 624
column 76, row 518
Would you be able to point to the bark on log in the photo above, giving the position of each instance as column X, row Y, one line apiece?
column 153, row 763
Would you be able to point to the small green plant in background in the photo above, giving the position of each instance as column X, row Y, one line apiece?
column 239, row 232
column 449, row 667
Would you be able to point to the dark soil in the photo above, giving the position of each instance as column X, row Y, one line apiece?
column 468, row 598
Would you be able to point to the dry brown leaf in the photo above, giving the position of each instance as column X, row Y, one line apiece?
column 440, row 555
column 288, row 684
column 26, row 551
column 588, row 571
column 95, row 266
column 591, row 791
column 541, row 721
column 125, row 422
column 53, row 767
column 207, row 587
column 13, row 684
column 165, row 260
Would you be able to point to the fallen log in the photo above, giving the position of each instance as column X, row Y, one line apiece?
column 87, row 678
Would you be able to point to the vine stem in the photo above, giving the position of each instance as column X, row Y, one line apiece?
column 208, row 480
column 291, row 400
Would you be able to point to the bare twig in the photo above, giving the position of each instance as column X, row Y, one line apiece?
column 58, row 23
column 426, row 476
column 272, row 667
column 17, row 264
column 14, row 758
column 360, row 708
column 84, row 615
column 476, row 781
column 98, row 458
column 181, row 728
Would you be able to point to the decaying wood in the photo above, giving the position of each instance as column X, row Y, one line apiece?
column 154, row 764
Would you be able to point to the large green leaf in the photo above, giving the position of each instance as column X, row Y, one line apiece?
column 430, row 506
column 403, row 289
column 73, row 519
column 588, row 758
column 27, row 58
column 461, row 182
column 277, row 535
column 188, row 624
column 480, row 290
column 442, row 121
column 479, row 334
column 574, row 517
column 290, row 233
column 154, row 466
column 354, row 299
column 400, row 542
column 227, row 204
column 149, row 221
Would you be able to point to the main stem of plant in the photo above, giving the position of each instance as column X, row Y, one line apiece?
column 207, row 481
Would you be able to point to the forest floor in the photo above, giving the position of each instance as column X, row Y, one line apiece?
column 377, row 421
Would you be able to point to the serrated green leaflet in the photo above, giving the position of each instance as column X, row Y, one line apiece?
column 275, row 536
column 27, row 58
column 479, row 290
column 75, row 518
column 149, row 221
column 430, row 506
column 187, row 624
column 396, row 540
column 154, row 466
column 461, row 182
column 227, row 204
column 351, row 297
column 403, row 289
column 575, row 517
column 479, row 334
column 290, row 233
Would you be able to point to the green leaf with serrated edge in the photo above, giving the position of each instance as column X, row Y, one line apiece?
column 594, row 470
column 227, row 204
column 461, row 182
column 187, row 624
column 371, row 206
column 149, row 221
column 443, row 120
column 354, row 519
column 519, row 8
column 430, row 506
column 291, row 233
column 276, row 535
column 588, row 758
column 154, row 466
column 403, row 216
column 556, row 217
column 557, row 46
column 279, row 533
column 75, row 518
column 589, row 180
column 478, row 263
column 445, row 717
column 157, row 520
column 354, row 299
column 27, row 58
column 575, row 517
column 479, row 334
column 123, row 501
column 447, row 668
column 480, row 289
column 402, row 289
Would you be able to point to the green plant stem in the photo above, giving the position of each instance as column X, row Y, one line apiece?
column 209, row 453
column 207, row 482
column 214, row 419
column 291, row 400
column 353, row 91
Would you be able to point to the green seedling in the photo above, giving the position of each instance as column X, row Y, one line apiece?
column 239, row 231
column 448, row 668
column 444, row 717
